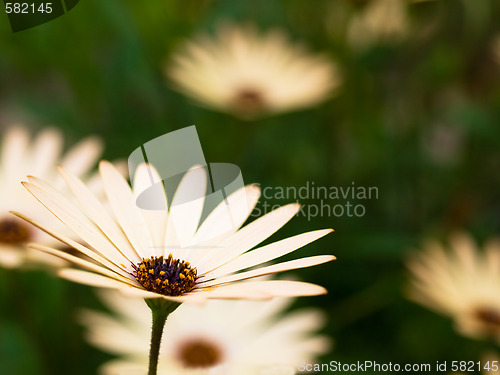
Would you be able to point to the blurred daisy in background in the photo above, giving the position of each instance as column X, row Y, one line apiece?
column 495, row 49
column 21, row 156
column 250, row 74
column 380, row 22
column 221, row 337
column 462, row 283
column 137, row 251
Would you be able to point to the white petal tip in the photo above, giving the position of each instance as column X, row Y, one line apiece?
column 105, row 164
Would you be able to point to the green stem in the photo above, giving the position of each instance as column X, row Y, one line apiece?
column 160, row 310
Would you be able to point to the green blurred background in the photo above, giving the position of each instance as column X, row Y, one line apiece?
column 418, row 119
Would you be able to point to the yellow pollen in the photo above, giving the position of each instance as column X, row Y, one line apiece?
column 165, row 275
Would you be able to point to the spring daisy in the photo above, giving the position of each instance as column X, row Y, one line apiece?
column 462, row 283
column 21, row 156
column 249, row 74
column 221, row 337
column 382, row 21
column 138, row 251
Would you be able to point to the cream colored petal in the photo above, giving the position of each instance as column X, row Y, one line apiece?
column 280, row 267
column 247, row 237
column 78, row 223
column 110, row 334
column 93, row 181
column 131, row 308
column 139, row 292
column 267, row 253
column 127, row 213
column 14, row 151
column 89, row 278
column 241, row 203
column 50, row 189
column 299, row 323
column 237, row 291
column 147, row 178
column 265, row 290
column 11, row 256
column 186, row 208
column 85, row 264
column 40, row 259
column 123, row 367
column 142, row 293
column 83, row 156
column 75, row 245
column 96, row 212
column 46, row 151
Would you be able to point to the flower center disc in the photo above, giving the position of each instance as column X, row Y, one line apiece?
column 249, row 102
column 13, row 232
column 199, row 354
column 489, row 316
column 167, row 276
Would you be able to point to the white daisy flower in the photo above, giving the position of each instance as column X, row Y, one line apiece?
column 221, row 337
column 249, row 74
column 137, row 252
column 21, row 156
column 382, row 21
column 462, row 283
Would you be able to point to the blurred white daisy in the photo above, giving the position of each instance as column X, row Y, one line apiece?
column 495, row 49
column 380, row 22
column 137, row 251
column 249, row 74
column 222, row 337
column 21, row 156
column 463, row 283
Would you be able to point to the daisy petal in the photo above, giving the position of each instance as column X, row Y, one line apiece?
column 83, row 263
column 14, row 147
column 75, row 245
column 267, row 253
column 89, row 278
column 238, row 206
column 78, row 223
column 96, row 212
column 141, row 293
column 46, row 151
column 280, row 267
column 10, row 258
column 126, row 212
column 147, row 178
column 186, row 209
column 248, row 237
column 83, row 156
column 265, row 290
